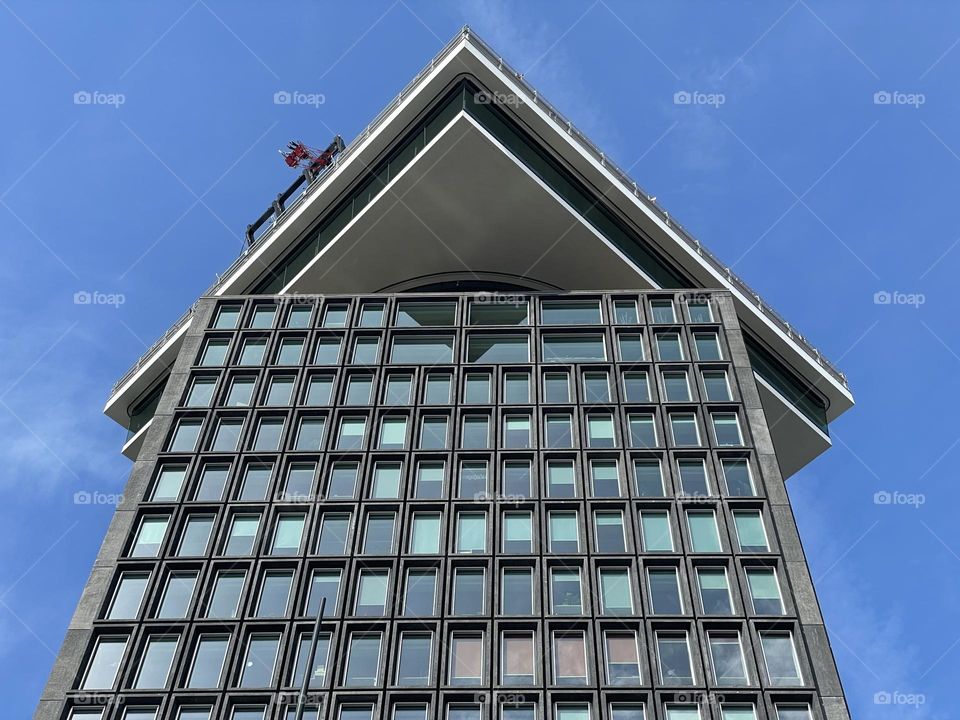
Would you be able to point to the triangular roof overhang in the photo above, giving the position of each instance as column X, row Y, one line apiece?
column 466, row 57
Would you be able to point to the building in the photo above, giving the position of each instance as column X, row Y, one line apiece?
column 525, row 435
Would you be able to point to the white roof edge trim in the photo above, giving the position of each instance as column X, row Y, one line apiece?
column 792, row 408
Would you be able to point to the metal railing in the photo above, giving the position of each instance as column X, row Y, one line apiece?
column 534, row 96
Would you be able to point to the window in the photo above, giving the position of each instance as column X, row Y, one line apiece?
column 335, row 315
column 609, row 531
column 565, row 594
column 196, row 535
column 596, row 387
column 559, row 431
column 649, row 477
column 365, row 350
column 260, row 661
column 616, row 597
column 726, row 429
column 476, row 390
column 570, row 312
column 263, row 316
column 664, row 591
column 185, row 436
column 429, row 481
column 386, row 480
column 466, row 658
column 699, row 311
column 571, row 711
column 600, row 433
column 363, row 659
column 415, row 655
column 516, row 591
column 425, row 533
column 378, row 537
column 355, row 712
column 793, row 712
column 556, row 387
column 715, row 385
column 498, row 349
column 751, row 535
column 208, row 662
column 631, row 347
column 334, row 528
column 764, row 591
column 714, row 591
column 269, row 434
column 684, row 429
column 227, row 317
column 426, row 314
column 476, row 432
column 736, row 474
column 299, row 485
column 318, row 673
column 241, row 392
column 253, row 351
column 253, row 712
column 201, row 392
column 288, row 535
column 655, row 527
column 324, row 585
column 643, row 431
column 177, row 595
column 468, row 591
column 213, row 479
column 573, row 348
column 726, row 656
column 398, row 390
column 661, row 311
column 420, row 597
column 214, row 353
column 673, row 656
column 780, row 658
column 371, row 315
column 516, row 388
column 437, row 389
column 155, row 663
column 622, row 657
column 343, row 480
column 372, row 593
column 561, row 479
column 280, row 390
column 150, row 536
column 675, row 386
column 169, row 483
column 498, row 313
column 243, row 534
column 433, row 432
column 421, row 350
column 104, row 663
column 359, row 387
column 708, row 346
column 605, row 478
column 290, row 351
column 128, row 595
column 256, row 481
column 625, row 312
column 473, row 480
column 516, row 431
column 516, row 478
column 623, row 711
column 563, row 532
column 299, row 316
column 274, row 593
column 393, row 433
column 471, row 532
column 516, row 658
column 636, row 387
column 668, row 347
column 352, row 430
column 682, row 712
column 704, row 536
column 569, row 659
column 227, row 435
column 693, row 477
column 328, row 350
column 225, row 598
column 517, row 532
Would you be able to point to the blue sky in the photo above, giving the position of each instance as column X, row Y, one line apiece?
column 818, row 191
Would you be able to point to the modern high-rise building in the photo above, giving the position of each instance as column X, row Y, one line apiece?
column 524, row 436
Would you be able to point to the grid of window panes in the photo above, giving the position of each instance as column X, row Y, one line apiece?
column 550, row 498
